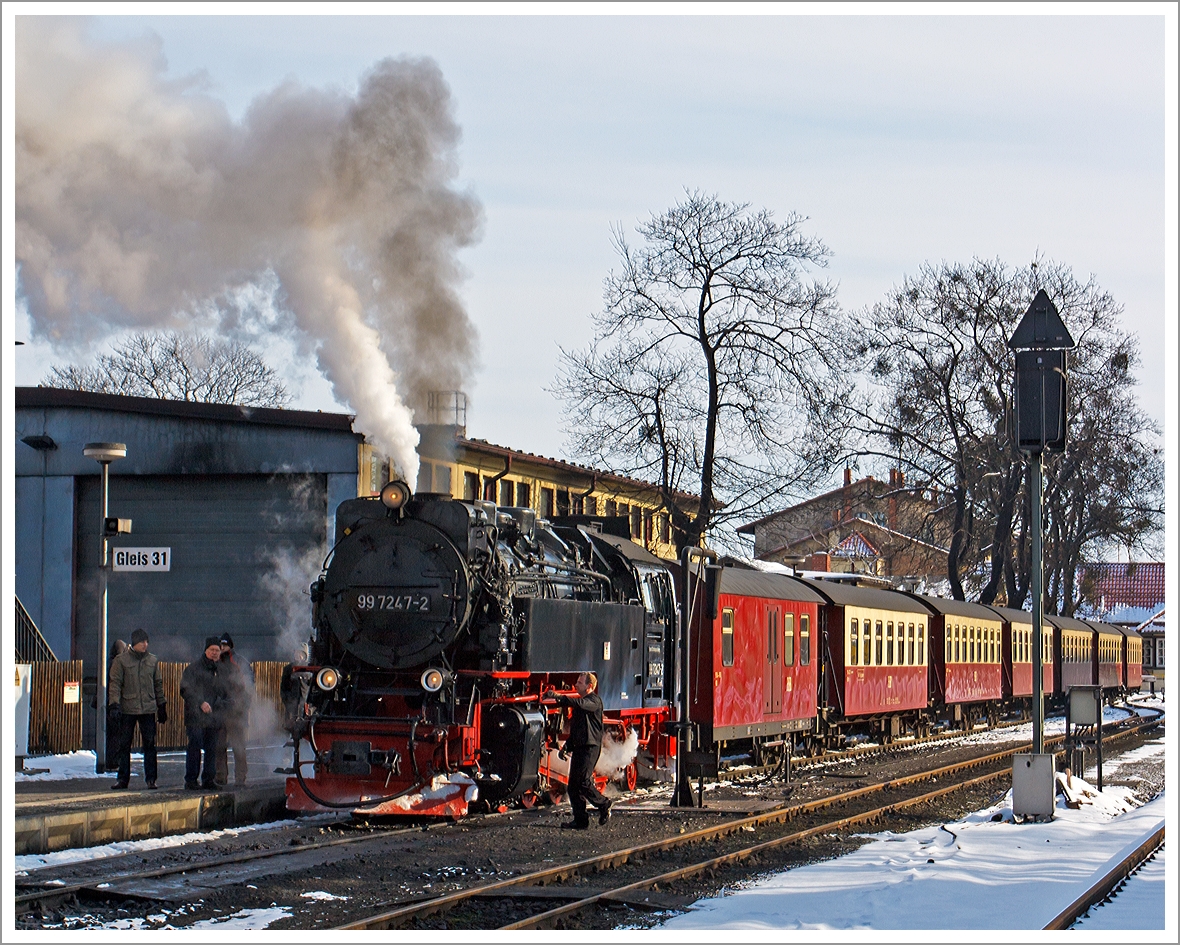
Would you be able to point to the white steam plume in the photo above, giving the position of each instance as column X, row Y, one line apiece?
column 140, row 204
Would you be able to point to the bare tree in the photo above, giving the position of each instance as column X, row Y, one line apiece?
column 710, row 372
column 174, row 366
column 939, row 374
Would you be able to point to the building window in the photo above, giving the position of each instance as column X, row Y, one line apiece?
column 665, row 529
column 507, row 492
column 854, row 643
column 789, row 639
column 546, row 510
column 647, row 528
column 590, row 505
column 1159, row 652
column 522, row 495
column 470, row 486
column 727, row 637
column 636, row 522
column 424, row 478
column 612, row 509
column 442, row 479
column 563, row 503
column 804, row 640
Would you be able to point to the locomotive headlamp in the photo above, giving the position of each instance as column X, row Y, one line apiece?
column 434, row 679
column 327, row 679
column 395, row 494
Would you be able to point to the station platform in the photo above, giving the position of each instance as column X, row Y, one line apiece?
column 84, row 811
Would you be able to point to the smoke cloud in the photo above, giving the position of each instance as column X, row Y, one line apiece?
column 140, row 204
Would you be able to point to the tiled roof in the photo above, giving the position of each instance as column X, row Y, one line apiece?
column 1138, row 584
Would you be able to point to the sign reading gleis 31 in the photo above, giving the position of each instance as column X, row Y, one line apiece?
column 142, row 559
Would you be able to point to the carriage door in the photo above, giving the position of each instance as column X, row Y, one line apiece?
column 772, row 680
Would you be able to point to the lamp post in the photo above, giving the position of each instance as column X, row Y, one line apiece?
column 105, row 453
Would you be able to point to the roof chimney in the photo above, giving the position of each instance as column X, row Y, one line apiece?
column 847, row 476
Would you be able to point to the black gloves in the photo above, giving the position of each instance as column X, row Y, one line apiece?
column 114, row 713
column 162, row 714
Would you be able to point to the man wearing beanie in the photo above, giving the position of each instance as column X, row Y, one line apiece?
column 136, row 697
column 203, row 692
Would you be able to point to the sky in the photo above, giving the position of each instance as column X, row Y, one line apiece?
column 904, row 139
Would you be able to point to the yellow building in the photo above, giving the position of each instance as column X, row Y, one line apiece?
column 462, row 468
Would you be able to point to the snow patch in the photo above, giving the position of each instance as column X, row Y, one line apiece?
column 68, row 767
column 245, row 919
column 322, row 896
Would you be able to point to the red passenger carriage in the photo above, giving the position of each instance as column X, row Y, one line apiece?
column 877, row 643
column 966, row 653
column 753, row 668
column 1073, row 654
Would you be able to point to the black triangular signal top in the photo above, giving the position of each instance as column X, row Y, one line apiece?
column 1041, row 327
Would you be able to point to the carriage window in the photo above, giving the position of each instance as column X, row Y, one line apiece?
column 789, row 639
column 727, row 637
column 921, row 644
column 955, row 634
column 866, row 643
column 911, row 645
column 854, row 643
column 804, row 639
column 772, row 636
column 889, row 643
column 880, row 656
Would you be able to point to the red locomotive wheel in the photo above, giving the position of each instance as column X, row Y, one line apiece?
column 556, row 795
column 528, row 800
column 632, row 772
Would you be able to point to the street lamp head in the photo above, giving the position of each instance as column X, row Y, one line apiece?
column 105, row 452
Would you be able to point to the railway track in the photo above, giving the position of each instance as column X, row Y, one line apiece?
column 534, row 884
column 122, row 884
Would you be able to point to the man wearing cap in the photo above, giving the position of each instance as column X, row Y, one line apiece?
column 203, row 691
column 584, row 745
column 135, row 696
column 239, row 681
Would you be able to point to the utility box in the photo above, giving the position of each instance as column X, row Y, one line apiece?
column 21, row 698
column 1034, row 786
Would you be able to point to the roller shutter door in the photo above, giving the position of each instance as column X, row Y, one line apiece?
column 244, row 550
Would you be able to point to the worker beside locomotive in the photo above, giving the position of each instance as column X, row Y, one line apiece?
column 440, row 626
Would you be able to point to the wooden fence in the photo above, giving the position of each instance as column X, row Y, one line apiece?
column 55, row 707
column 55, row 726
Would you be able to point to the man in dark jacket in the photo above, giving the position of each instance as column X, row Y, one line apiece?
column 203, row 692
column 239, row 686
column 584, row 745
column 135, row 696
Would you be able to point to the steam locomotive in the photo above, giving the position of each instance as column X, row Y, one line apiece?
column 438, row 625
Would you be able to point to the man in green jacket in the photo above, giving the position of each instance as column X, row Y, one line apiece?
column 136, row 697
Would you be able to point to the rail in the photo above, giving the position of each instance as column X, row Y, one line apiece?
column 1104, row 886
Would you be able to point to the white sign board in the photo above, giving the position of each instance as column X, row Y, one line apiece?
column 142, row 559
column 69, row 693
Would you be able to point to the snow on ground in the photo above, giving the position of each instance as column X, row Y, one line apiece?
column 35, row 861
column 77, row 764
column 983, row 872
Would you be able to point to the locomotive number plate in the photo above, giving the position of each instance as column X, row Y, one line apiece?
column 410, row 603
